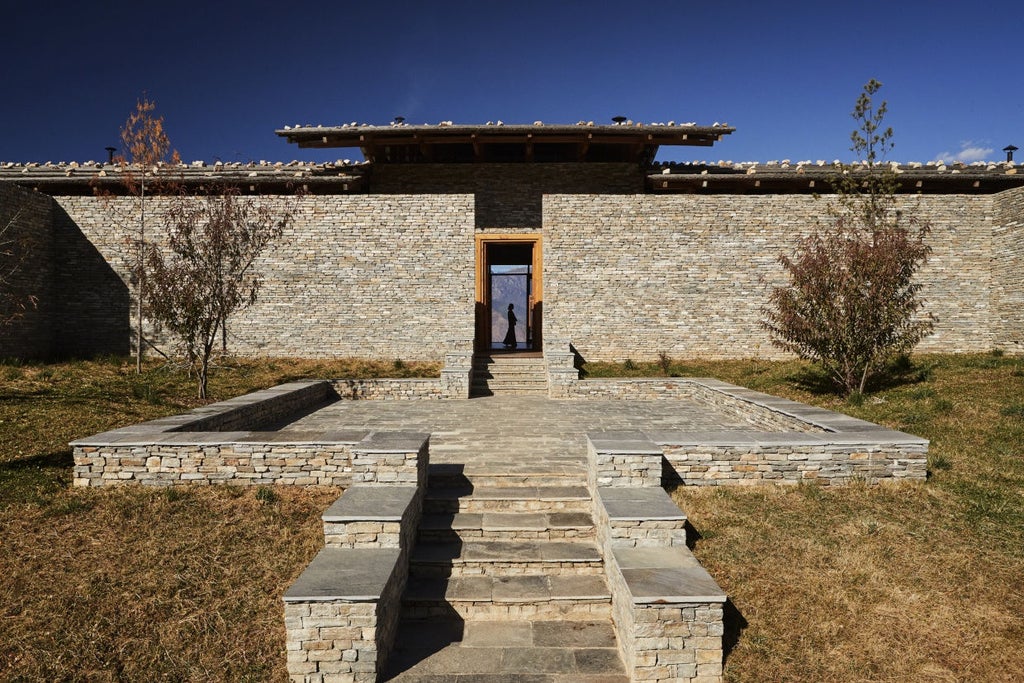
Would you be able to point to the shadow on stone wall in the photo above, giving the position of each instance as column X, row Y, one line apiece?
column 92, row 316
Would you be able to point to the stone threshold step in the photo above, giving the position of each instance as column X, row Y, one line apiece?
column 487, row 651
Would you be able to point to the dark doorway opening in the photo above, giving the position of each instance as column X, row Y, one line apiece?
column 508, row 273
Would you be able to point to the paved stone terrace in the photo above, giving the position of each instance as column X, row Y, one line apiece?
column 510, row 434
column 539, row 446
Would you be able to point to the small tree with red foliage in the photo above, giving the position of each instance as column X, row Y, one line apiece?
column 852, row 302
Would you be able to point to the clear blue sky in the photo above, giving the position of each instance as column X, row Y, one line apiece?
column 785, row 74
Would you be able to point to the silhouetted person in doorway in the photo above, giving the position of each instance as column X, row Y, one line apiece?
column 510, row 336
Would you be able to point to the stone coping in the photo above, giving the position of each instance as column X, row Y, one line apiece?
column 193, row 424
column 651, row 442
column 665, row 575
column 345, row 575
column 827, row 420
column 371, row 503
column 755, row 438
column 625, row 503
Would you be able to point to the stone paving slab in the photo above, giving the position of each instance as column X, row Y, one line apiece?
column 351, row 574
column 639, row 503
column 664, row 575
column 376, row 503
column 506, row 652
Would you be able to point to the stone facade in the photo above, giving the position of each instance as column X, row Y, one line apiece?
column 625, row 274
column 1007, row 270
column 26, row 270
column 631, row 276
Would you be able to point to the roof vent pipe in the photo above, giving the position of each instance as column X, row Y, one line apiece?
column 1009, row 149
column 110, row 154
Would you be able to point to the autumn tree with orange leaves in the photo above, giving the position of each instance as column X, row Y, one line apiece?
column 145, row 155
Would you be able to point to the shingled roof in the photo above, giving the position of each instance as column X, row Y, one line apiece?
column 447, row 142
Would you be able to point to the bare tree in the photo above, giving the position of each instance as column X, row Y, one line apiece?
column 145, row 153
column 852, row 302
column 207, row 271
column 15, row 251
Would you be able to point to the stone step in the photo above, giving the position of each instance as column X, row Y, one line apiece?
column 531, row 597
column 469, row 498
column 484, row 651
column 505, row 558
column 508, row 474
column 508, row 526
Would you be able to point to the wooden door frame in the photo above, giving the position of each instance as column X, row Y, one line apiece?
column 483, row 322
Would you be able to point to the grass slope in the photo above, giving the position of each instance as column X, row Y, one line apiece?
column 890, row 583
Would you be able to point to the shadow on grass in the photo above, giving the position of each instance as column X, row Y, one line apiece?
column 901, row 371
column 34, row 479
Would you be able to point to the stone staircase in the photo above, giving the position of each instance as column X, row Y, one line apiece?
column 510, row 374
column 506, row 580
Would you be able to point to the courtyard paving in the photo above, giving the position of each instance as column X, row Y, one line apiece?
column 542, row 443
column 513, row 434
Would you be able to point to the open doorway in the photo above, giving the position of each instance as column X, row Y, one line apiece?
column 508, row 273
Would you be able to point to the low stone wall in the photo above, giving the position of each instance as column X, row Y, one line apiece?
column 259, row 408
column 745, row 457
column 374, row 517
column 341, row 625
column 623, row 459
column 388, row 389
column 637, row 517
column 251, row 458
column 341, row 615
column 831, row 459
column 666, row 634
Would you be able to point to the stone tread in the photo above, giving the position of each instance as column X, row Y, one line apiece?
column 539, row 493
column 520, row 552
column 507, row 521
column 507, row 589
column 505, row 652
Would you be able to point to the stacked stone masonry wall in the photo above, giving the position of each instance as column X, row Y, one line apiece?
column 339, row 640
column 26, row 270
column 382, row 276
column 260, row 462
column 1008, row 270
column 632, row 276
column 625, row 275
column 508, row 196
column 824, row 465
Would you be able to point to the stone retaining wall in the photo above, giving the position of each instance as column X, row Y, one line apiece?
column 248, row 459
column 26, row 270
column 196, row 447
column 824, row 463
column 341, row 635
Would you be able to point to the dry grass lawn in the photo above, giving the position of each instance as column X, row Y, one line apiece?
column 894, row 583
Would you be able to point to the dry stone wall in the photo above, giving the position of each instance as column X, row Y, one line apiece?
column 362, row 276
column 508, row 196
column 1008, row 270
column 631, row 276
column 626, row 275
column 26, row 270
